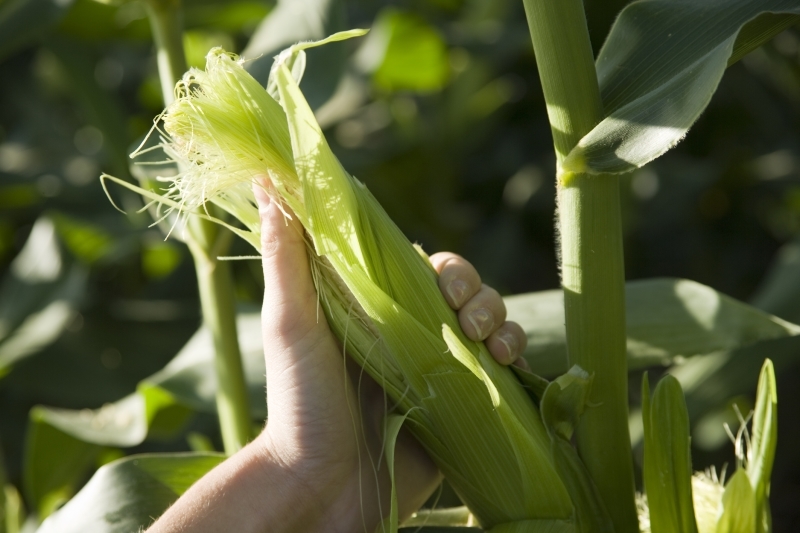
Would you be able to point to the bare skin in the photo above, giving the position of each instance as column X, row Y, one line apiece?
column 311, row 469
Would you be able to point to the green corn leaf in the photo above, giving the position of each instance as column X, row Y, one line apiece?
column 62, row 445
column 779, row 290
column 190, row 377
column 667, row 458
column 55, row 464
column 38, row 296
column 293, row 21
column 563, row 403
column 666, row 318
column 393, row 425
column 162, row 403
column 738, row 505
column 128, row 494
column 404, row 52
column 23, row 21
column 125, row 423
column 122, row 423
column 709, row 380
column 533, row 383
column 658, row 69
column 758, row 31
column 763, row 443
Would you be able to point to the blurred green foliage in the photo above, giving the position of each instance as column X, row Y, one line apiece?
column 439, row 111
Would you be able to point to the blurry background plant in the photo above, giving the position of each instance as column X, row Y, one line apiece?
column 439, row 110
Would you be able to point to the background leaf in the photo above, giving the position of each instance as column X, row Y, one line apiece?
column 38, row 296
column 301, row 20
column 159, row 409
column 658, row 69
column 127, row 494
column 710, row 380
column 124, row 423
column 666, row 318
column 190, row 376
column 23, row 21
column 55, row 466
column 404, row 52
column 780, row 289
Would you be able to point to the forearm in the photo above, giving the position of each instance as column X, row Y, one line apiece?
column 251, row 492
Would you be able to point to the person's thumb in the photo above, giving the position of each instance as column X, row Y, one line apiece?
column 290, row 300
column 296, row 334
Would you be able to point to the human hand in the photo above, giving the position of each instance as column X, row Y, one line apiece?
column 314, row 467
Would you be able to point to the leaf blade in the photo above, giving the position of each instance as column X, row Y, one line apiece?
column 666, row 318
column 764, row 442
column 738, row 505
column 125, row 495
column 667, row 458
column 659, row 68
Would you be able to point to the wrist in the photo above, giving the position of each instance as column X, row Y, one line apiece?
column 308, row 495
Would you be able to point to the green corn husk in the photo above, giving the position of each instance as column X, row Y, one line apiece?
column 379, row 293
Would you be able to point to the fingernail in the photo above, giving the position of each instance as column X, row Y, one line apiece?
column 482, row 321
column 522, row 363
column 457, row 289
column 511, row 344
column 263, row 200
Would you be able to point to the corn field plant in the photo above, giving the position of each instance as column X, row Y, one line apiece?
column 555, row 455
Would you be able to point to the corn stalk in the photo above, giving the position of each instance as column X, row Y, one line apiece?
column 206, row 242
column 591, row 252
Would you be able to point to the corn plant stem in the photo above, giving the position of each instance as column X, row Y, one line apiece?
column 206, row 242
column 592, row 268
column 167, row 28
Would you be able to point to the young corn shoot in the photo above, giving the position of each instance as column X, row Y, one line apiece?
column 379, row 292
column 704, row 503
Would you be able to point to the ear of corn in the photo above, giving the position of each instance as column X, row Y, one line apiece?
column 378, row 292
